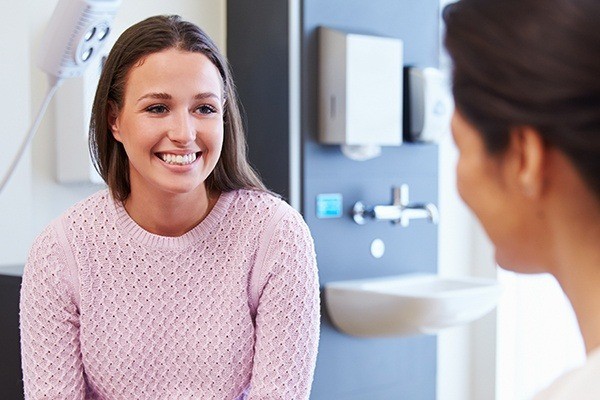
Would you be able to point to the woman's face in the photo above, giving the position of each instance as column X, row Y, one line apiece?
column 485, row 182
column 171, row 122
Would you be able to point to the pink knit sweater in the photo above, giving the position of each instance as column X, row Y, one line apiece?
column 230, row 310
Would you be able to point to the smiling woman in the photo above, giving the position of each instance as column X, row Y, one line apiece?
column 171, row 127
column 187, row 278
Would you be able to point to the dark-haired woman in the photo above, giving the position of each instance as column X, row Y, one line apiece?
column 527, row 125
column 186, row 279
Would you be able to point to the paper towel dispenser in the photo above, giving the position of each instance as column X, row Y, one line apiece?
column 360, row 92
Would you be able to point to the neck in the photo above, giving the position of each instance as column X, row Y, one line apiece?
column 575, row 256
column 170, row 215
column 580, row 280
column 579, row 277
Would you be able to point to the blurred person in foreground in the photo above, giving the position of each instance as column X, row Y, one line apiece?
column 526, row 82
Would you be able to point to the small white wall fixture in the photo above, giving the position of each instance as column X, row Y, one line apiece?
column 360, row 92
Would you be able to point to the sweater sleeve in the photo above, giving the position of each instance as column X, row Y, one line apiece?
column 287, row 316
column 50, row 351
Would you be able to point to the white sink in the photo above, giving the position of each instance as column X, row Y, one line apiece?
column 405, row 305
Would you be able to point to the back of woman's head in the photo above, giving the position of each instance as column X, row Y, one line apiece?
column 530, row 63
column 150, row 36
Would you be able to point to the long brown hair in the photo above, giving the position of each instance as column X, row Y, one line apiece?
column 530, row 63
column 150, row 36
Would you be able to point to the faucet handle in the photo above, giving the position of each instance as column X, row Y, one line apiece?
column 360, row 213
column 400, row 195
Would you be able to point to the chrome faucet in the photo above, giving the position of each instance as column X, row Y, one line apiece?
column 399, row 212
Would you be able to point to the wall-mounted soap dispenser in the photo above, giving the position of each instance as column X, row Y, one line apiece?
column 360, row 92
column 430, row 104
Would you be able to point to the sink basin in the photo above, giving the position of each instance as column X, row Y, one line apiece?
column 405, row 305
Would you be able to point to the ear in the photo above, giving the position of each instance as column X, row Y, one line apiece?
column 530, row 151
column 113, row 120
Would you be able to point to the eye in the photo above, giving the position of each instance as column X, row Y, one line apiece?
column 206, row 109
column 157, row 109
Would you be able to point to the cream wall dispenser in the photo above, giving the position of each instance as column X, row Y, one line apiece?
column 360, row 92
column 431, row 104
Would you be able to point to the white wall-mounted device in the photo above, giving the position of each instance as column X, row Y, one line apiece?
column 74, row 40
column 431, row 104
column 360, row 92
column 75, row 35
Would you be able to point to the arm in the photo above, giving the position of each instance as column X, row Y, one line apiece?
column 287, row 319
column 50, row 351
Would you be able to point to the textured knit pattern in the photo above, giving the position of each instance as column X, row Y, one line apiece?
column 230, row 310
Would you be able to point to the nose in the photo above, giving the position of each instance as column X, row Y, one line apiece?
column 183, row 130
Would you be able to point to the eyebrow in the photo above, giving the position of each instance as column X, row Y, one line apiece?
column 166, row 96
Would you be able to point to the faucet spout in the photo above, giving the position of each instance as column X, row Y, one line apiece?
column 399, row 212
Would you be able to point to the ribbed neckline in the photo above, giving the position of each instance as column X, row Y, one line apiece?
column 129, row 228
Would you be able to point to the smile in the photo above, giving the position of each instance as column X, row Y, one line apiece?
column 178, row 159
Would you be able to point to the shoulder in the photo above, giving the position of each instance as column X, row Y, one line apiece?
column 256, row 199
column 96, row 203
column 93, row 210
column 273, row 209
column 272, row 219
column 77, row 219
column 259, row 207
column 581, row 383
column 82, row 208
column 53, row 249
column 44, row 243
column 285, row 248
column 45, row 258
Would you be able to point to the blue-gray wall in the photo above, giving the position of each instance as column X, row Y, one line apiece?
column 347, row 367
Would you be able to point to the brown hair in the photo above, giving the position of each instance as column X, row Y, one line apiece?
column 150, row 36
column 530, row 63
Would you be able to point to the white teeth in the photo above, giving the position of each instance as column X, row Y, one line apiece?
column 178, row 159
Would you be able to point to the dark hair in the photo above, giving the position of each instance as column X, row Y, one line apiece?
column 530, row 63
column 150, row 36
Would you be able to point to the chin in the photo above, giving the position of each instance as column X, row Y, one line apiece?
column 182, row 187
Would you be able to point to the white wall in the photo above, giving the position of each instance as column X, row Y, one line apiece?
column 15, row 207
column 33, row 198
